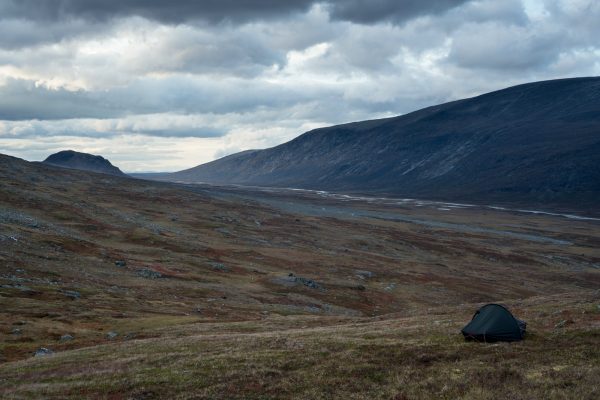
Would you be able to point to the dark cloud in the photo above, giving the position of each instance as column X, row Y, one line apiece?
column 181, row 11
column 172, row 11
column 26, row 23
column 504, row 48
column 388, row 10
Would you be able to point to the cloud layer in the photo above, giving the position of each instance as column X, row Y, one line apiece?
column 204, row 79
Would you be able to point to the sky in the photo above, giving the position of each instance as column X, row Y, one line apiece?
column 166, row 85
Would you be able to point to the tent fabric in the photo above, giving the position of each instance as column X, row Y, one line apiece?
column 493, row 323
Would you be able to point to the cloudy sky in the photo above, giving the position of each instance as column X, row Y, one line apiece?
column 165, row 85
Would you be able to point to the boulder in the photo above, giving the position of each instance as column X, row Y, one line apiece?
column 148, row 273
column 111, row 335
column 72, row 294
column 66, row 338
column 364, row 274
column 42, row 351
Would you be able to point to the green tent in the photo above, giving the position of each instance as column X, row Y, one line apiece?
column 494, row 323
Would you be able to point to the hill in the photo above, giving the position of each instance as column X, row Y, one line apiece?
column 534, row 144
column 159, row 290
column 83, row 161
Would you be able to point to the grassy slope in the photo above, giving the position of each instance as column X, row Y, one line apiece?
column 393, row 358
column 245, row 332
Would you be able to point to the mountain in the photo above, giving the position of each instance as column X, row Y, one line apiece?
column 537, row 143
column 87, row 162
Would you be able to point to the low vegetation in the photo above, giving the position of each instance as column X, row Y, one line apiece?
column 145, row 290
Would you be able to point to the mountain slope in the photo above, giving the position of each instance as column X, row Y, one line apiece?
column 83, row 161
column 534, row 143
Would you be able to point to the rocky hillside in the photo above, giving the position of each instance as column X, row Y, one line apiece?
column 87, row 162
column 537, row 143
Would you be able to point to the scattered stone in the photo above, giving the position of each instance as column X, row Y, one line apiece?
column 72, row 294
column 111, row 335
column 120, row 263
column 390, row 287
column 364, row 274
column 308, row 282
column 66, row 338
column 564, row 323
column 149, row 274
column 359, row 287
column 16, row 331
column 223, row 231
column 292, row 279
column 42, row 351
column 18, row 286
column 219, row 266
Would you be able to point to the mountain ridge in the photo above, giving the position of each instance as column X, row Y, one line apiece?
column 536, row 142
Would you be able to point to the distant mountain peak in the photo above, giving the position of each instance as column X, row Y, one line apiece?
column 83, row 161
column 534, row 143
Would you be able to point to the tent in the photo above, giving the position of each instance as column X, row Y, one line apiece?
column 494, row 323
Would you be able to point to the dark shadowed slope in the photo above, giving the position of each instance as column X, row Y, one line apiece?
column 537, row 143
column 87, row 162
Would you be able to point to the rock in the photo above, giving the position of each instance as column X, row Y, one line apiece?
column 308, row 282
column 42, row 351
column 17, row 286
column 390, row 287
column 364, row 274
column 217, row 266
column 564, row 323
column 223, row 231
column 16, row 331
column 292, row 279
column 72, row 294
column 111, row 335
column 120, row 263
column 148, row 273
column 358, row 287
column 66, row 338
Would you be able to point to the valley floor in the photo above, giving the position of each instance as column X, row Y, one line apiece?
column 237, row 293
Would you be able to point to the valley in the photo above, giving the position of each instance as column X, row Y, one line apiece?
column 147, row 289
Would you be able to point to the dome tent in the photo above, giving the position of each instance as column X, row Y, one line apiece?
column 494, row 323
